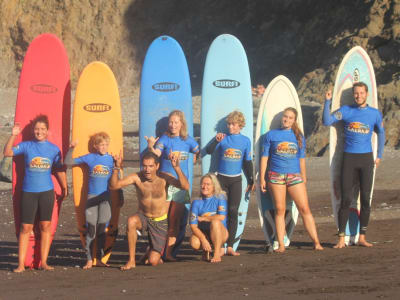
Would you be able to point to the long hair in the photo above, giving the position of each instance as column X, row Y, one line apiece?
column 183, row 133
column 296, row 130
column 218, row 191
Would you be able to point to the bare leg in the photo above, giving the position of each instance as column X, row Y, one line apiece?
column 133, row 224
column 279, row 194
column 363, row 242
column 341, row 243
column 45, row 241
column 298, row 193
column 219, row 234
column 23, row 241
column 89, row 265
column 175, row 215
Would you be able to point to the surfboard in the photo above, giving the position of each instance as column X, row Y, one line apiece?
column 44, row 88
column 356, row 66
column 226, row 87
column 279, row 95
column 97, row 108
column 164, row 87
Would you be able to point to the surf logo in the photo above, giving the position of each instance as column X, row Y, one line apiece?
column 97, row 107
column 286, row 149
column 181, row 154
column 232, row 154
column 165, row 86
column 40, row 164
column 358, row 127
column 356, row 75
column 221, row 208
column 43, row 89
column 226, row 83
column 193, row 217
column 100, row 171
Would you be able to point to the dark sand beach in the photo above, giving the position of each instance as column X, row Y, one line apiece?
column 300, row 273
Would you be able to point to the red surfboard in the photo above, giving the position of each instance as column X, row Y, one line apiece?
column 44, row 88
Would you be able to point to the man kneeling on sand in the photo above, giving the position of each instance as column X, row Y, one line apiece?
column 153, row 208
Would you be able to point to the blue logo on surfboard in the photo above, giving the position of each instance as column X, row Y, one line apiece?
column 165, row 86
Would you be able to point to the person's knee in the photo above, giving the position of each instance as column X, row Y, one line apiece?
column 215, row 225
column 280, row 211
column 26, row 228
column 195, row 242
column 45, row 226
column 154, row 259
column 133, row 223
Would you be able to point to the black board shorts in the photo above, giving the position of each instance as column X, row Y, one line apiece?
column 32, row 202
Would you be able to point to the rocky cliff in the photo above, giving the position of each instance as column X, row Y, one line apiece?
column 302, row 39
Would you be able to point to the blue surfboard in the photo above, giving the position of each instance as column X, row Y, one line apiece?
column 356, row 66
column 226, row 87
column 164, row 87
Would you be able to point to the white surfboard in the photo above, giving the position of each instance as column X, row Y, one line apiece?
column 356, row 66
column 279, row 95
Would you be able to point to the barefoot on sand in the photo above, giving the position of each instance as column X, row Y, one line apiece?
column 280, row 250
column 129, row 265
column 341, row 244
column 363, row 242
column 88, row 265
column 231, row 252
column 19, row 270
column 318, row 247
column 46, row 268
column 216, row 259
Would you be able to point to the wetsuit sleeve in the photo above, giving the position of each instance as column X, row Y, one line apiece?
column 19, row 149
column 302, row 152
column 222, row 206
column 266, row 145
column 57, row 162
column 210, row 148
column 194, row 146
column 70, row 162
column 194, row 213
column 248, row 171
column 328, row 118
column 380, row 130
column 161, row 143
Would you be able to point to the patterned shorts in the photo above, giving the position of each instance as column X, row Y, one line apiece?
column 287, row 179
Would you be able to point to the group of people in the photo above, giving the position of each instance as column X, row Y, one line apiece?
column 162, row 184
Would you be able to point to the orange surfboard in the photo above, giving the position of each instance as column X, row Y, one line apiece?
column 96, row 108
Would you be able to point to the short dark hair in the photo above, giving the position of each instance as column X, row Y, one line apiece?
column 150, row 155
column 41, row 119
column 360, row 84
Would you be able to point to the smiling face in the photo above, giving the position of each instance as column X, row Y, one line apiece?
column 40, row 131
column 207, row 187
column 233, row 127
column 360, row 96
column 288, row 119
column 102, row 147
column 149, row 168
column 174, row 125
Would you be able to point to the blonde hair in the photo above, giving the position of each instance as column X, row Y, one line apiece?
column 296, row 130
column 97, row 138
column 236, row 117
column 217, row 187
column 183, row 133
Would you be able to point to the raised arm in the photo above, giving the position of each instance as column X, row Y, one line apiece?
column 328, row 118
column 151, row 142
column 210, row 148
column 182, row 182
column 69, row 161
column 115, row 182
column 8, row 147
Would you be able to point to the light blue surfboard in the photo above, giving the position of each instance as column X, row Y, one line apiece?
column 164, row 87
column 226, row 87
column 356, row 66
column 279, row 95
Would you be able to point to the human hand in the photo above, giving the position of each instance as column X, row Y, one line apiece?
column 377, row 162
column 250, row 188
column 328, row 94
column 16, row 129
column 151, row 141
column 220, row 136
column 64, row 193
column 263, row 186
column 73, row 144
column 174, row 157
column 118, row 159
column 205, row 244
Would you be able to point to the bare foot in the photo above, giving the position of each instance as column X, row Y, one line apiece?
column 129, row 265
column 46, row 267
column 231, row 252
column 19, row 269
column 363, row 242
column 318, row 247
column 280, row 250
column 216, row 259
column 99, row 263
column 341, row 244
column 88, row 265
column 222, row 251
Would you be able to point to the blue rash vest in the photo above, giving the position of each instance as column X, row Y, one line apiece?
column 233, row 149
column 359, row 123
column 40, row 158
column 169, row 144
column 215, row 205
column 100, row 171
column 282, row 150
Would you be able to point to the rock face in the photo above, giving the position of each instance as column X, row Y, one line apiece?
column 303, row 39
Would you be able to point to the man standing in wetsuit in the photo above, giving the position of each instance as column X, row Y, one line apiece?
column 153, row 207
column 358, row 160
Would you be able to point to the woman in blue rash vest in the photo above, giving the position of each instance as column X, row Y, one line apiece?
column 98, row 204
column 40, row 157
column 234, row 154
column 284, row 153
column 208, row 219
column 176, row 142
column 360, row 120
